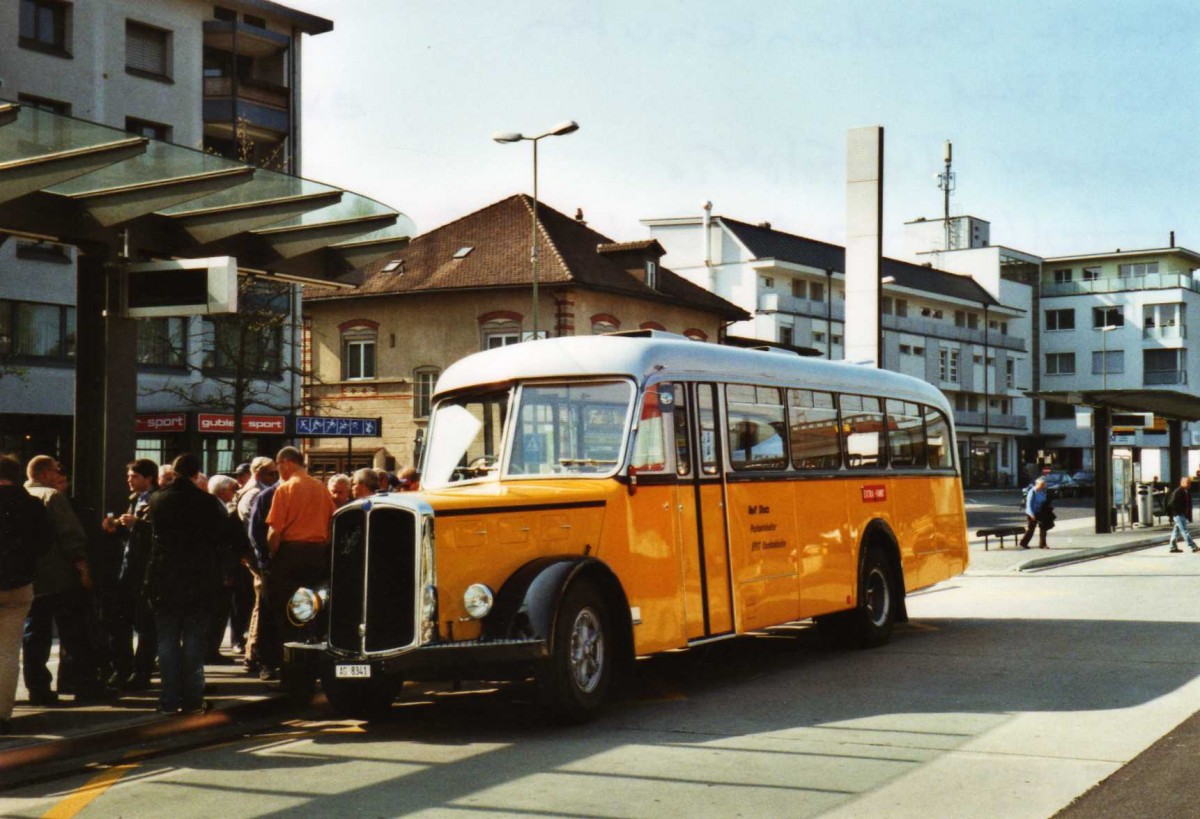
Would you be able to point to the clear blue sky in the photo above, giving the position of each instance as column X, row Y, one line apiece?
column 1076, row 126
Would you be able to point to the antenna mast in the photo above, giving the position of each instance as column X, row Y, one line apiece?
column 946, row 186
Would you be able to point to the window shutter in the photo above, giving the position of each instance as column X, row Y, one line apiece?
column 146, row 48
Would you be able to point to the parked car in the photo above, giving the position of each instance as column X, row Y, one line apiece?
column 1058, row 485
column 1084, row 482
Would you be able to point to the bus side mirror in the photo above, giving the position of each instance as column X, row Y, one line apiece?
column 632, row 480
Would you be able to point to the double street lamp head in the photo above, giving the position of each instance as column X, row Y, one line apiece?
column 563, row 128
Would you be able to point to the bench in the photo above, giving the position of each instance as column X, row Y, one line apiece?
column 1001, row 532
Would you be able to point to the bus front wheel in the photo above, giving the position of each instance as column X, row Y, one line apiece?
column 576, row 678
column 871, row 623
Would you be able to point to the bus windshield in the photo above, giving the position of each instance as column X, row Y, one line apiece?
column 561, row 429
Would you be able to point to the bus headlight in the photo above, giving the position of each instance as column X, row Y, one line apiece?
column 478, row 600
column 306, row 604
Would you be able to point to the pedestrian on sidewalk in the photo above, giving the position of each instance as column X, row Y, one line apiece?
column 1039, row 514
column 61, row 594
column 1180, row 506
column 183, row 579
column 24, row 535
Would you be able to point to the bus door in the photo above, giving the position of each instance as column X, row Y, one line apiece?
column 708, row 601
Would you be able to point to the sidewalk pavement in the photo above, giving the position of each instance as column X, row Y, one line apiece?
column 50, row 741
column 1070, row 541
column 54, row 740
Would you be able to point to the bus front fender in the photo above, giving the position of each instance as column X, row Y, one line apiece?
column 528, row 601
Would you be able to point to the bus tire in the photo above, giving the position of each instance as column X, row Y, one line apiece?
column 299, row 685
column 576, row 678
column 367, row 700
column 876, row 612
column 871, row 623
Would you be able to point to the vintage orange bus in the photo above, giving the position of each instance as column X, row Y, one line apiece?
column 588, row 500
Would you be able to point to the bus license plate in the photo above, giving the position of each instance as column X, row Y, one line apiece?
column 355, row 671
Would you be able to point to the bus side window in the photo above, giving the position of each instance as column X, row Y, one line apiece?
column 650, row 447
column 756, row 427
column 813, row 429
column 710, row 458
column 683, row 456
column 863, row 432
column 906, row 436
column 937, row 438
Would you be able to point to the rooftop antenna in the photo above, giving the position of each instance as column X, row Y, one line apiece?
column 946, row 186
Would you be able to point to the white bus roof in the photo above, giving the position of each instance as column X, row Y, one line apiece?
column 674, row 356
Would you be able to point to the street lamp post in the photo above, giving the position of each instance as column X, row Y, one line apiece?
column 563, row 128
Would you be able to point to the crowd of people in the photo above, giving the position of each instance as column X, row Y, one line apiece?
column 154, row 589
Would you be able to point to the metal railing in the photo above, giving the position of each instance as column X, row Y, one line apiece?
column 992, row 420
column 1166, row 332
column 1116, row 284
column 1154, row 378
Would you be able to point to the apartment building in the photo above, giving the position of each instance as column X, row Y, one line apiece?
column 944, row 328
column 223, row 78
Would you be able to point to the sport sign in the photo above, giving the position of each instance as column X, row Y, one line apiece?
column 316, row 426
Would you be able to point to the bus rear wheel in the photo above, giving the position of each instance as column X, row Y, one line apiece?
column 576, row 678
column 871, row 623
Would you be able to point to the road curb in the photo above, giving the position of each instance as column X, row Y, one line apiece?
column 54, row 758
column 1082, row 556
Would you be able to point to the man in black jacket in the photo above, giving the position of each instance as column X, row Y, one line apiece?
column 182, row 580
column 24, row 536
column 1180, row 507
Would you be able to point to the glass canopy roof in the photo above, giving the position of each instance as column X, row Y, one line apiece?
column 55, row 169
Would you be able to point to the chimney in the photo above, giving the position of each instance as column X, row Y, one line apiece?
column 1172, row 239
column 579, row 216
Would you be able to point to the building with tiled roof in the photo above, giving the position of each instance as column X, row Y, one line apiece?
column 941, row 327
column 376, row 350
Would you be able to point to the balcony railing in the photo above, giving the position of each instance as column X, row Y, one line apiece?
column 991, row 420
column 780, row 303
column 1154, row 378
column 268, row 94
column 1165, row 333
column 1117, row 284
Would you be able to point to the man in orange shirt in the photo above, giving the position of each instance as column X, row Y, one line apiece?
column 297, row 537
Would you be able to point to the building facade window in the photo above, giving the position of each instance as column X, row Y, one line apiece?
column 816, row 291
column 147, row 50
column 1107, row 317
column 162, row 342
column 250, row 341
column 499, row 329
column 1164, row 367
column 45, row 104
column 1055, row 410
column 148, row 129
column 785, row 335
column 1090, row 274
column 1140, row 269
column 605, row 323
column 44, row 26
column 1062, row 276
column 1010, row 374
column 1060, row 319
column 1115, row 362
column 902, row 308
column 696, row 334
column 652, row 275
column 948, row 365
column 799, row 289
column 1060, row 363
column 424, row 380
column 768, row 282
column 358, row 352
column 33, row 330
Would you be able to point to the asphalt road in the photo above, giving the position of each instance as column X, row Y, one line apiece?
column 1006, row 696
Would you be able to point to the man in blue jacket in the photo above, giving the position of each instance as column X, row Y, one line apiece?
column 1035, row 514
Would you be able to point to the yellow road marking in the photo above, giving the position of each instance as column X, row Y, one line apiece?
column 91, row 790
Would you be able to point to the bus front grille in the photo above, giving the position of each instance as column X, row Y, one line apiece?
column 374, row 580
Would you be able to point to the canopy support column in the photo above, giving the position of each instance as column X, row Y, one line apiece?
column 1102, row 457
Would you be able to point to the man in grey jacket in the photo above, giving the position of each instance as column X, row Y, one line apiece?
column 60, row 589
